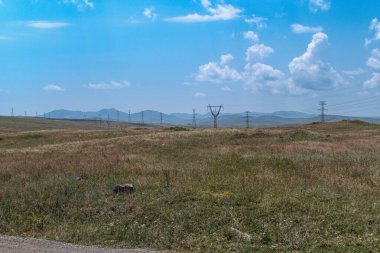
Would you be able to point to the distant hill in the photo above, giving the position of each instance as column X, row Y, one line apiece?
column 256, row 119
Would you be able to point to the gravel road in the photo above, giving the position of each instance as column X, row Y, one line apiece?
column 11, row 244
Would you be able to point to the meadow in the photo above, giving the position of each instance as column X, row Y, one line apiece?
column 311, row 188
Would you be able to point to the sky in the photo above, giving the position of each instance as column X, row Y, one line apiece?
column 249, row 55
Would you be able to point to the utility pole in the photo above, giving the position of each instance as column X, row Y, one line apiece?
column 25, row 114
column 100, row 121
column 12, row 112
column 247, row 119
column 161, row 118
column 129, row 116
column 215, row 111
column 322, row 109
column 194, row 120
column 118, row 119
column 108, row 121
column 142, row 117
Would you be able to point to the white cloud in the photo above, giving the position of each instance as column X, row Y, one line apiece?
column 375, row 28
column 149, row 13
column 309, row 72
column 258, row 52
column 374, row 61
column 218, row 72
column 252, row 36
column 52, row 87
column 297, row 28
column 80, row 4
column 225, row 58
column 46, row 24
column 319, row 5
column 205, row 3
column 255, row 20
column 260, row 76
column 354, row 72
column 109, row 86
column 199, row 94
column 221, row 12
column 373, row 82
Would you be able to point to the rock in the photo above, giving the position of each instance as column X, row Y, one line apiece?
column 80, row 178
column 127, row 188
column 240, row 235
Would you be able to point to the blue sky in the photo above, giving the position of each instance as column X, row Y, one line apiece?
column 251, row 55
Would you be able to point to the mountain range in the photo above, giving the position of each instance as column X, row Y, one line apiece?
column 256, row 119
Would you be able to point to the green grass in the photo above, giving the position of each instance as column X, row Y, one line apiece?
column 306, row 189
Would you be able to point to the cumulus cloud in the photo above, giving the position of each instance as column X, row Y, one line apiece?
column 225, row 58
column 46, row 24
column 252, row 36
column 354, row 72
column 374, row 28
column 260, row 76
column 258, row 52
column 221, row 12
column 255, row 20
column 373, row 82
column 206, row 3
column 52, row 87
column 80, row 4
column 149, row 13
column 374, row 61
column 109, row 86
column 218, row 72
column 310, row 72
column 297, row 28
column 319, row 5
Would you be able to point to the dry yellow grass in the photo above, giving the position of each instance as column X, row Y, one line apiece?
column 314, row 188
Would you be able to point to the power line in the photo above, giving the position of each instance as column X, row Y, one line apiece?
column 215, row 111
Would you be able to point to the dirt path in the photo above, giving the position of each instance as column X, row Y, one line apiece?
column 10, row 244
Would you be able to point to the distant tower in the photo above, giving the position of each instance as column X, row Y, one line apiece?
column 142, row 117
column 323, row 109
column 247, row 119
column 215, row 111
column 161, row 118
column 129, row 116
column 12, row 114
column 194, row 125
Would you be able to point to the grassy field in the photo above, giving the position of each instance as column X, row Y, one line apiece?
column 314, row 188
